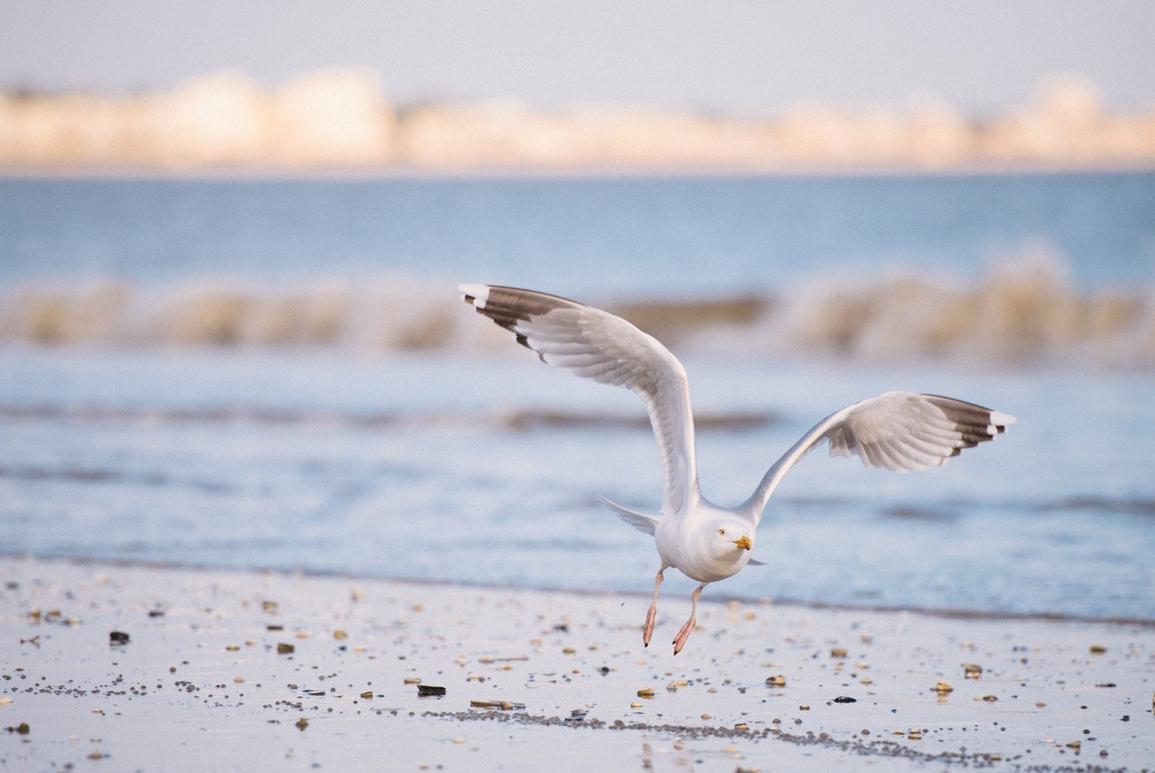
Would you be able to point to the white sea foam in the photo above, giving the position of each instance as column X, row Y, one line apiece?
column 1024, row 309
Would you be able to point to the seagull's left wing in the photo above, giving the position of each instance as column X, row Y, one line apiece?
column 596, row 344
column 895, row 431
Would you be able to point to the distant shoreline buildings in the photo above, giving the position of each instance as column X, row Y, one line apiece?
column 339, row 119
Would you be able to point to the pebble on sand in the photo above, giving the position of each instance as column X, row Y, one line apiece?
column 837, row 652
column 283, row 648
column 943, row 688
column 116, row 638
column 427, row 690
column 972, row 670
column 778, row 680
column 1098, row 649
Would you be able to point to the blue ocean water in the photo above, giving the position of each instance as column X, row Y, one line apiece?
column 450, row 458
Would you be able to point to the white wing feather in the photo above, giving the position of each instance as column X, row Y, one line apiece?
column 899, row 431
column 598, row 345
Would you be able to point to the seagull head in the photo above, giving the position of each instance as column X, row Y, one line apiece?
column 731, row 538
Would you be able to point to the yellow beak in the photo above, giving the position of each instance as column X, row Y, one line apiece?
column 743, row 542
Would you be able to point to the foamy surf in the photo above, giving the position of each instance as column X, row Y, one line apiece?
column 1024, row 310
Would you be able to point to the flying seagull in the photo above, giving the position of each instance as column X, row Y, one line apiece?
column 900, row 431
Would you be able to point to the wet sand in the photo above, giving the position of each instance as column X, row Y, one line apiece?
column 228, row 670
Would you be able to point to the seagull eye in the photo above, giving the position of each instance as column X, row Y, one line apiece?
column 721, row 531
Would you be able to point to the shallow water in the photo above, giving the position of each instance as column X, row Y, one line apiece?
column 466, row 460
column 412, row 467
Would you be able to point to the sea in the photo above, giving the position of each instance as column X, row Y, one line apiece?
column 279, row 373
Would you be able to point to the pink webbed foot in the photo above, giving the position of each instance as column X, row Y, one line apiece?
column 680, row 639
column 648, row 631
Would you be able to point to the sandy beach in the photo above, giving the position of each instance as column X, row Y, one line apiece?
column 232, row 670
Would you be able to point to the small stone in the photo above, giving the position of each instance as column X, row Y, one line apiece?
column 428, row 690
column 1040, row 704
column 568, row 651
column 284, row 648
column 117, row 638
column 943, row 688
column 367, row 695
column 989, row 698
column 1098, row 649
column 804, row 707
column 845, row 699
column 23, row 728
column 837, row 652
column 458, row 739
column 412, row 680
column 914, row 735
column 635, row 705
column 778, row 680
column 1076, row 745
column 339, row 635
column 646, row 692
column 95, row 756
column 972, row 670
column 232, row 647
column 741, row 727
column 301, row 724
column 675, row 685
column 238, row 680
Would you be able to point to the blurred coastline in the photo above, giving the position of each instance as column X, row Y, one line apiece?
column 338, row 119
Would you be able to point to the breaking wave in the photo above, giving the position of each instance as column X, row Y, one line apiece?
column 1022, row 310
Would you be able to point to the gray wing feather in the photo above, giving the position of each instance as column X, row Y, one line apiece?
column 595, row 344
column 900, row 431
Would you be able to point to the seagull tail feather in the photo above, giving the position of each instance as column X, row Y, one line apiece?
column 640, row 521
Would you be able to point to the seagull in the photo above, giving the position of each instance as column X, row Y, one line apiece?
column 901, row 431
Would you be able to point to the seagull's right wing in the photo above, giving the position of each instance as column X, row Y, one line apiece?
column 896, row 431
column 596, row 344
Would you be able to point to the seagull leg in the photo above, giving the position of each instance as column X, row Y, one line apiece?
column 680, row 639
column 648, row 631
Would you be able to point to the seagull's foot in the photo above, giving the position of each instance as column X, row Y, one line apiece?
column 680, row 639
column 648, row 631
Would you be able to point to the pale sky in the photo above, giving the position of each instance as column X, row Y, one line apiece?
column 734, row 56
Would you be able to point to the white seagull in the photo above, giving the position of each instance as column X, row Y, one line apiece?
column 897, row 430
